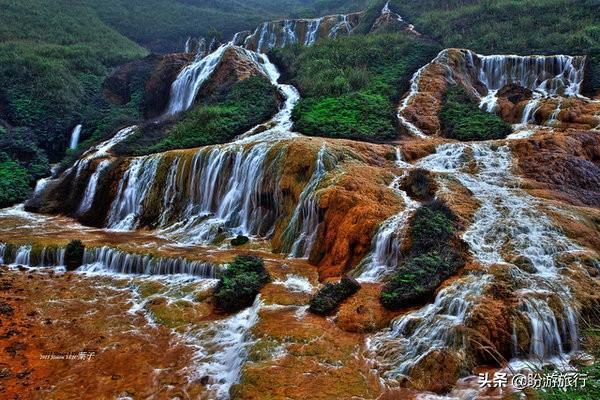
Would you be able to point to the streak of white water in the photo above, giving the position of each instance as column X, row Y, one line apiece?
column 75, row 137
column 506, row 215
column 386, row 243
column 90, row 190
column 189, row 81
column 131, row 193
column 222, row 348
column 102, row 149
column 312, row 31
column 304, row 221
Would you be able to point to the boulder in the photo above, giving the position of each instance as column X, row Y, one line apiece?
column 436, row 372
column 515, row 93
column 117, row 87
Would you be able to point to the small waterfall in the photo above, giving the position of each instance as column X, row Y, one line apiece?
column 90, row 190
column 223, row 349
column 506, row 215
column 313, row 30
column 343, row 26
column 189, row 81
column 387, row 241
column 102, row 149
column 529, row 111
column 557, row 110
column 26, row 255
column 107, row 259
column 133, row 187
column 75, row 137
column 304, row 221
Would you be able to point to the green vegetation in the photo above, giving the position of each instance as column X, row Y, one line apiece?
column 218, row 120
column 350, row 85
column 420, row 184
column 74, row 255
column 327, row 300
column 14, row 182
column 462, row 119
column 434, row 256
column 240, row 283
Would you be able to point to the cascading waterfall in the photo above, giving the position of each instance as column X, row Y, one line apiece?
column 313, row 29
column 90, row 190
column 107, row 259
column 189, row 81
column 223, row 349
column 343, row 26
column 545, row 76
column 132, row 191
column 304, row 221
column 75, row 137
column 102, row 149
column 506, row 215
column 27, row 256
column 386, row 243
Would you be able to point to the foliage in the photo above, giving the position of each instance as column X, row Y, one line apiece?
column 350, row 85
column 418, row 277
column 217, row 120
column 434, row 256
column 239, row 240
column 327, row 300
column 74, row 254
column 14, row 182
column 21, row 144
column 240, row 283
column 462, row 119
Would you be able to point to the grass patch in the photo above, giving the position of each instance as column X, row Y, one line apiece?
column 240, row 283
column 434, row 256
column 462, row 119
column 327, row 300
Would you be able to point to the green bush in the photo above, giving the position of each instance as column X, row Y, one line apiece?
column 350, row 85
column 327, row 300
column 218, row 120
column 462, row 119
column 420, row 184
column 434, row 256
column 14, row 182
column 418, row 277
column 74, row 255
column 240, row 283
column 353, row 116
column 431, row 226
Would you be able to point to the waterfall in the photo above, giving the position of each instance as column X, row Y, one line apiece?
column 342, row 26
column 386, row 243
column 133, row 187
column 304, row 221
column 189, row 81
column 102, row 149
column 90, row 190
column 26, row 255
column 223, row 349
column 107, row 259
column 312, row 31
column 75, row 137
column 506, row 215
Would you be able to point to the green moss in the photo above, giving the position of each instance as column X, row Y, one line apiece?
column 14, row 183
column 462, row 119
column 240, row 283
column 327, row 300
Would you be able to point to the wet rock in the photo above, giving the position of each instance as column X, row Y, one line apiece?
column 240, row 240
column 515, row 93
column 437, row 372
column 524, row 264
column 6, row 309
column 327, row 300
column 158, row 86
column 420, row 184
column 118, row 86
column 363, row 312
column 74, row 255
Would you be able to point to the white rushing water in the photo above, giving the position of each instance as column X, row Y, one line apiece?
column 75, row 137
column 90, row 190
column 189, row 81
column 506, row 215
column 305, row 219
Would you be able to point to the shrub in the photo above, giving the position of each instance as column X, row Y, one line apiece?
column 240, row 283
column 418, row 277
column 431, row 226
column 240, row 240
column 74, row 255
column 14, row 182
column 327, row 300
column 462, row 119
